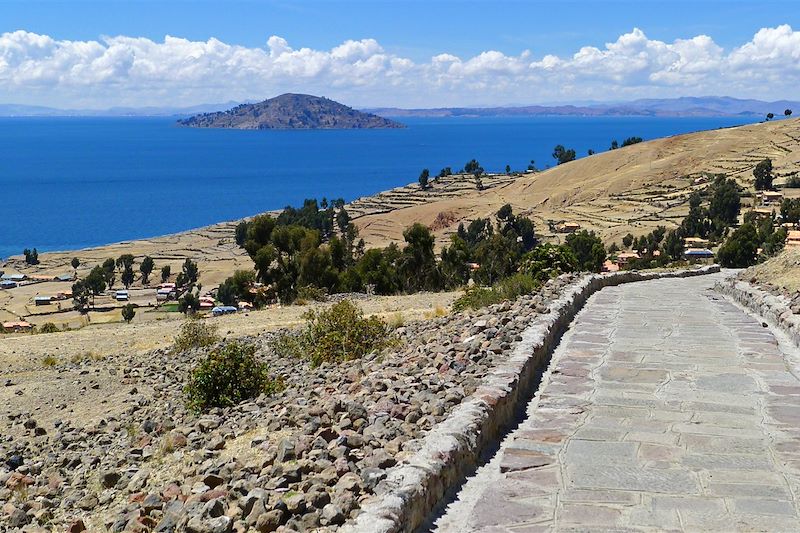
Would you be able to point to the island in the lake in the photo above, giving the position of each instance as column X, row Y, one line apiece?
column 289, row 112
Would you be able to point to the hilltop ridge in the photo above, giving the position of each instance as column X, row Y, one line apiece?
column 290, row 111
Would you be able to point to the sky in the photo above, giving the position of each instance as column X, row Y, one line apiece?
column 99, row 54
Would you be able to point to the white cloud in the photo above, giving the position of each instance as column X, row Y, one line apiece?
column 138, row 71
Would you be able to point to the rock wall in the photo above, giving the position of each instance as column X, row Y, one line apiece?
column 452, row 449
column 776, row 309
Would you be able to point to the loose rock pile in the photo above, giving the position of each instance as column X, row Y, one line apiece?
column 300, row 460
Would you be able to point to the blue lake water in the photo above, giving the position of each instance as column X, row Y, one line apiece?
column 69, row 183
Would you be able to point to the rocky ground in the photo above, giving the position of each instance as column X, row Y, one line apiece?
column 300, row 460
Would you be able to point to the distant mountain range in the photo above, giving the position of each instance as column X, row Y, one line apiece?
column 666, row 107
column 19, row 110
column 290, row 112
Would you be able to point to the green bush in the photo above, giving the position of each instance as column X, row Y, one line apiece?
column 509, row 288
column 227, row 376
column 310, row 293
column 548, row 261
column 338, row 333
column 195, row 334
column 48, row 327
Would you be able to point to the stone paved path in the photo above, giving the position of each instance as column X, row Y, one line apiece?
column 665, row 408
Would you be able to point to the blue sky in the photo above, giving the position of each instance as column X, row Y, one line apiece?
column 398, row 41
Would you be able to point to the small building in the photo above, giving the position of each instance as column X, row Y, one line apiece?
column 8, row 284
column 698, row 253
column 167, row 286
column 42, row 300
column 13, row 277
column 793, row 239
column 695, row 242
column 65, row 277
column 568, row 227
column 245, row 306
column 610, row 266
column 771, row 197
column 165, row 294
column 121, row 296
column 762, row 212
column 223, row 310
column 205, row 305
column 625, row 257
column 19, row 326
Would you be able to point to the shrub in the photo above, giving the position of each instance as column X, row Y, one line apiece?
column 195, row 334
column 548, row 261
column 310, row 293
column 48, row 327
column 128, row 312
column 793, row 182
column 509, row 288
column 49, row 361
column 338, row 333
column 228, row 376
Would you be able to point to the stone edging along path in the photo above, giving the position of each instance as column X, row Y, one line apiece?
column 452, row 449
column 774, row 309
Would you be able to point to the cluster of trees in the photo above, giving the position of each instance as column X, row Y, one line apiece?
column 627, row 142
column 31, row 256
column 563, row 155
column 741, row 248
column 291, row 257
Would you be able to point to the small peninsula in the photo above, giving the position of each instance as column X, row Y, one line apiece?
column 290, row 111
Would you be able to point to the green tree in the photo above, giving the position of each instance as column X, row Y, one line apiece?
column 672, row 247
column 128, row 312
column 473, row 167
column 190, row 272
column 96, row 281
column 188, row 303
column 240, row 234
column 417, row 265
column 763, row 175
column 75, row 263
column 787, row 112
column 125, row 261
column 588, row 250
column 627, row 240
column 725, row 202
column 790, row 210
column 770, row 116
column 109, row 271
column 740, row 250
column 80, row 296
column 508, row 169
column 590, row 152
column 127, row 277
column 693, row 224
column 165, row 273
column 563, row 155
column 614, row 144
column 423, row 178
column 146, row 268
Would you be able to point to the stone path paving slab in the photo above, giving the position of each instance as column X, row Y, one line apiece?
column 665, row 408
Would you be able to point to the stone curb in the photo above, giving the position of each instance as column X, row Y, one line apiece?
column 451, row 450
column 772, row 308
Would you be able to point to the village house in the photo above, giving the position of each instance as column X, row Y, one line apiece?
column 695, row 242
column 568, row 227
column 771, row 197
column 625, row 257
column 121, row 296
column 18, row 326
column 13, row 277
column 8, row 284
column 698, row 253
column 42, row 300
column 793, row 239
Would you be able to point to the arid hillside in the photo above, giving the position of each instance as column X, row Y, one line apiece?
column 630, row 189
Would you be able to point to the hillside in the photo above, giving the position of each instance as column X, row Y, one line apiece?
column 632, row 189
column 290, row 111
